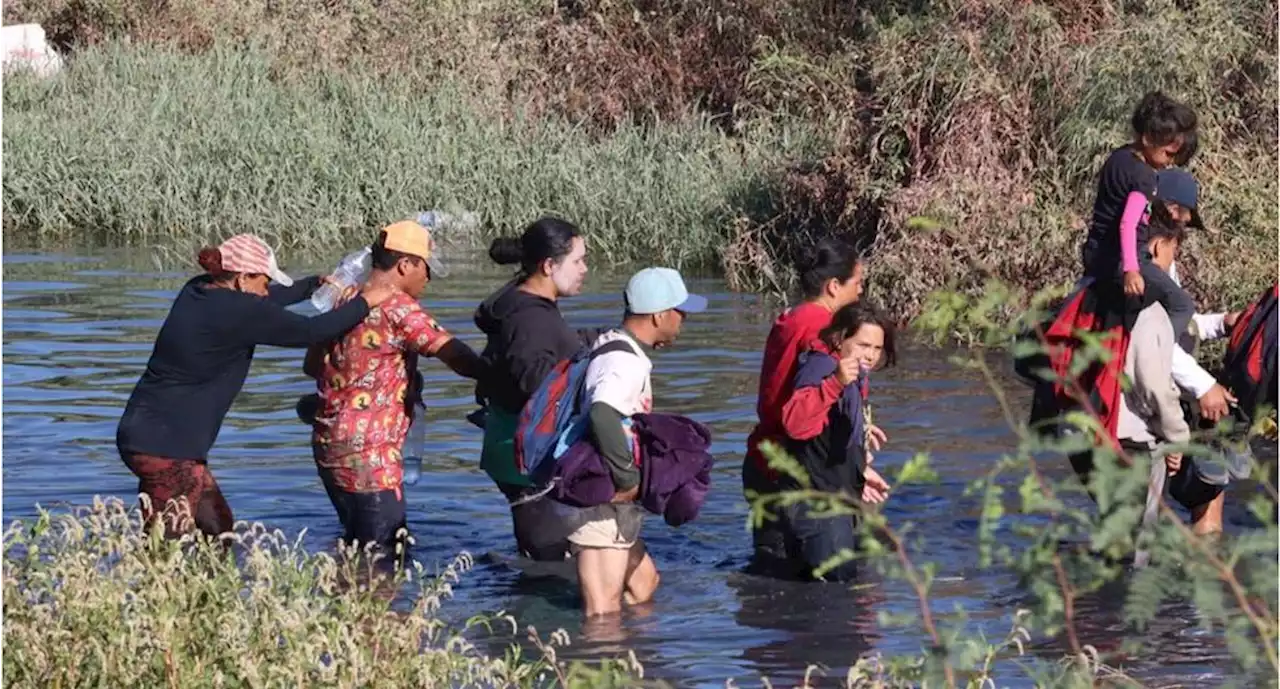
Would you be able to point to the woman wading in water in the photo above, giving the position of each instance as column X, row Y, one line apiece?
column 527, row 337
column 198, row 365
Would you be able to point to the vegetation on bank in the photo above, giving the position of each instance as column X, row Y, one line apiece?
column 93, row 599
column 727, row 132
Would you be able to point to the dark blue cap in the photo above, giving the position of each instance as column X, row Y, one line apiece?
column 1178, row 186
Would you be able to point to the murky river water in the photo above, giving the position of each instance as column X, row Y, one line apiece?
column 78, row 330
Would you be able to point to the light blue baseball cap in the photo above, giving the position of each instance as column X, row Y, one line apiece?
column 654, row 290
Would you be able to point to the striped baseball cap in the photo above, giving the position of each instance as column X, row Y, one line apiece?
column 245, row 253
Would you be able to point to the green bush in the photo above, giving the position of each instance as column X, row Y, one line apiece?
column 988, row 117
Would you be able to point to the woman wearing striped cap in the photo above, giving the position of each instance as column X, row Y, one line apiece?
column 198, row 365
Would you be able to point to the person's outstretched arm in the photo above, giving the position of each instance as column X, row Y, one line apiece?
column 272, row 324
column 299, row 290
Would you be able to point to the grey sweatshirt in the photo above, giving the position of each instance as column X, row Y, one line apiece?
column 1149, row 410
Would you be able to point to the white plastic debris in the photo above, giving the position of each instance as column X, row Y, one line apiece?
column 24, row 47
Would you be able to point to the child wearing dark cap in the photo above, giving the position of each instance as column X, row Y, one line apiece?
column 1165, row 133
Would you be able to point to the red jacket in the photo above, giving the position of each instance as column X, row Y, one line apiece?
column 793, row 332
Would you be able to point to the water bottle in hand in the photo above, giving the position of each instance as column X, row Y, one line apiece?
column 352, row 270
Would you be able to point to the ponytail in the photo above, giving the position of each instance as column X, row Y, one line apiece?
column 545, row 238
column 506, row 251
column 210, row 258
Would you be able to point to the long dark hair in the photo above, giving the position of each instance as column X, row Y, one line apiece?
column 829, row 259
column 547, row 237
column 846, row 322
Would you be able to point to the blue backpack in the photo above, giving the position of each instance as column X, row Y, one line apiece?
column 556, row 414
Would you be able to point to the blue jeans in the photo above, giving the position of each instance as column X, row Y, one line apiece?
column 367, row 517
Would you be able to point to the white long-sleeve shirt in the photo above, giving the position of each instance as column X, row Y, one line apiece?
column 1187, row 372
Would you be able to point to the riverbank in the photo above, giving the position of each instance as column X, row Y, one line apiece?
column 722, row 134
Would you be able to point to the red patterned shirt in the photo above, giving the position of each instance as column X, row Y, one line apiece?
column 364, row 385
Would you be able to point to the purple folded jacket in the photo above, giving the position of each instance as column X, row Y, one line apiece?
column 675, row 469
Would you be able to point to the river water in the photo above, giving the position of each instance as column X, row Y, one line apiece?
column 78, row 328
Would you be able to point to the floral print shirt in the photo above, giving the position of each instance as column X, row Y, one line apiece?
column 366, row 401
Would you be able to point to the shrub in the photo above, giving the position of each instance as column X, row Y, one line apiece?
column 91, row 598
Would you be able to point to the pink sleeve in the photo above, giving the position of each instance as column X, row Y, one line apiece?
column 1135, row 207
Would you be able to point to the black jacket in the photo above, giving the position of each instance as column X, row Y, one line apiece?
column 527, row 336
column 202, row 356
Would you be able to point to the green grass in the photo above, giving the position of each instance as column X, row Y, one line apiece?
column 143, row 145
column 91, row 599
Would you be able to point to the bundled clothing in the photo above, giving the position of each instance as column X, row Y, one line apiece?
column 672, row 453
column 198, row 366
column 826, row 426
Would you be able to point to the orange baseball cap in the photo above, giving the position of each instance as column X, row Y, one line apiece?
column 409, row 237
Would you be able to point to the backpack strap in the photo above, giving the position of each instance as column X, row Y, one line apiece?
column 615, row 346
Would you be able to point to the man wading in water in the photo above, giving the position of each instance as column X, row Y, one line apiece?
column 612, row 562
column 366, row 401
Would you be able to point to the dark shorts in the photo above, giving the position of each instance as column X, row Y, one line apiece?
column 182, row 492
column 1185, row 486
column 796, row 543
column 541, row 531
column 377, row 518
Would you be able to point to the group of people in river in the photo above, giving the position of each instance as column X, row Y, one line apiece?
column 570, row 435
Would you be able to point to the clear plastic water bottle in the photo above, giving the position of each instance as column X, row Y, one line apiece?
column 413, row 449
column 432, row 219
column 353, row 269
column 438, row 220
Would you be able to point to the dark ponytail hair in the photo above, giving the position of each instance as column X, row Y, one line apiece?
column 829, row 259
column 846, row 322
column 210, row 258
column 545, row 238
